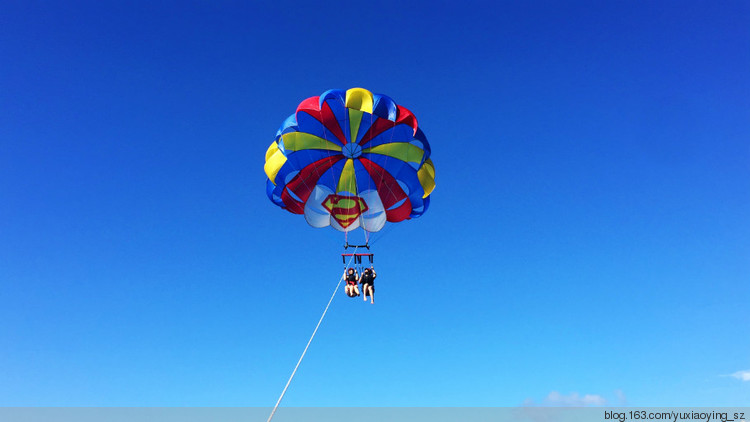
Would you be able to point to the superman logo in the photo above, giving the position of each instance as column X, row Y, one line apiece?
column 345, row 209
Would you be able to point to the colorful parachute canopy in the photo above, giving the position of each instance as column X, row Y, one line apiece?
column 350, row 159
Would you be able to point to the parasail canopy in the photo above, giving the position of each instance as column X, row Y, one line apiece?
column 350, row 159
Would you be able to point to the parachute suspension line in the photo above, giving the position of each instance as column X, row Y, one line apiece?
column 311, row 158
column 308, row 344
column 381, row 234
column 385, row 164
column 325, row 136
column 373, row 118
column 310, row 153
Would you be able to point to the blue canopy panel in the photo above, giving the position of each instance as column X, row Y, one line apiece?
column 420, row 140
column 384, row 107
column 333, row 95
column 295, row 162
column 272, row 195
column 417, row 212
column 308, row 123
column 342, row 116
column 364, row 125
column 330, row 178
column 288, row 125
column 404, row 174
column 364, row 181
column 398, row 133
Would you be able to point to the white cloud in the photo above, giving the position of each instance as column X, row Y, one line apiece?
column 741, row 375
column 622, row 400
column 555, row 399
column 574, row 399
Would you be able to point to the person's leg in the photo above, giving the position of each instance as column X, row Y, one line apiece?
column 356, row 290
column 364, row 291
column 372, row 294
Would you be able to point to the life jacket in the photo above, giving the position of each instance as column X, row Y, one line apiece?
column 351, row 278
column 367, row 277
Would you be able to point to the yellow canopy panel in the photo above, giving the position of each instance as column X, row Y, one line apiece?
column 426, row 176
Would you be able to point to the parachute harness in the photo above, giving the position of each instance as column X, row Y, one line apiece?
column 359, row 266
column 308, row 342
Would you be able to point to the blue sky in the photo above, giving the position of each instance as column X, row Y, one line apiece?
column 588, row 234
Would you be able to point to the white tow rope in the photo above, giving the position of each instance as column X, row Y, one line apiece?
column 310, row 341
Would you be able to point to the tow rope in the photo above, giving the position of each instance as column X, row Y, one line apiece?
column 308, row 343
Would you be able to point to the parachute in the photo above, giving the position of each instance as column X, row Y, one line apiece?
column 350, row 159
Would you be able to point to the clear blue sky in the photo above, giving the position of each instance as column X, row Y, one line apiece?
column 589, row 234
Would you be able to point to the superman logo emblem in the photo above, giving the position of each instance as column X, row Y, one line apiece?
column 345, row 209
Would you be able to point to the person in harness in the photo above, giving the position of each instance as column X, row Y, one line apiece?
column 351, row 287
column 368, row 284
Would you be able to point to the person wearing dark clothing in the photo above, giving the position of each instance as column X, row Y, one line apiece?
column 368, row 283
column 351, row 287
